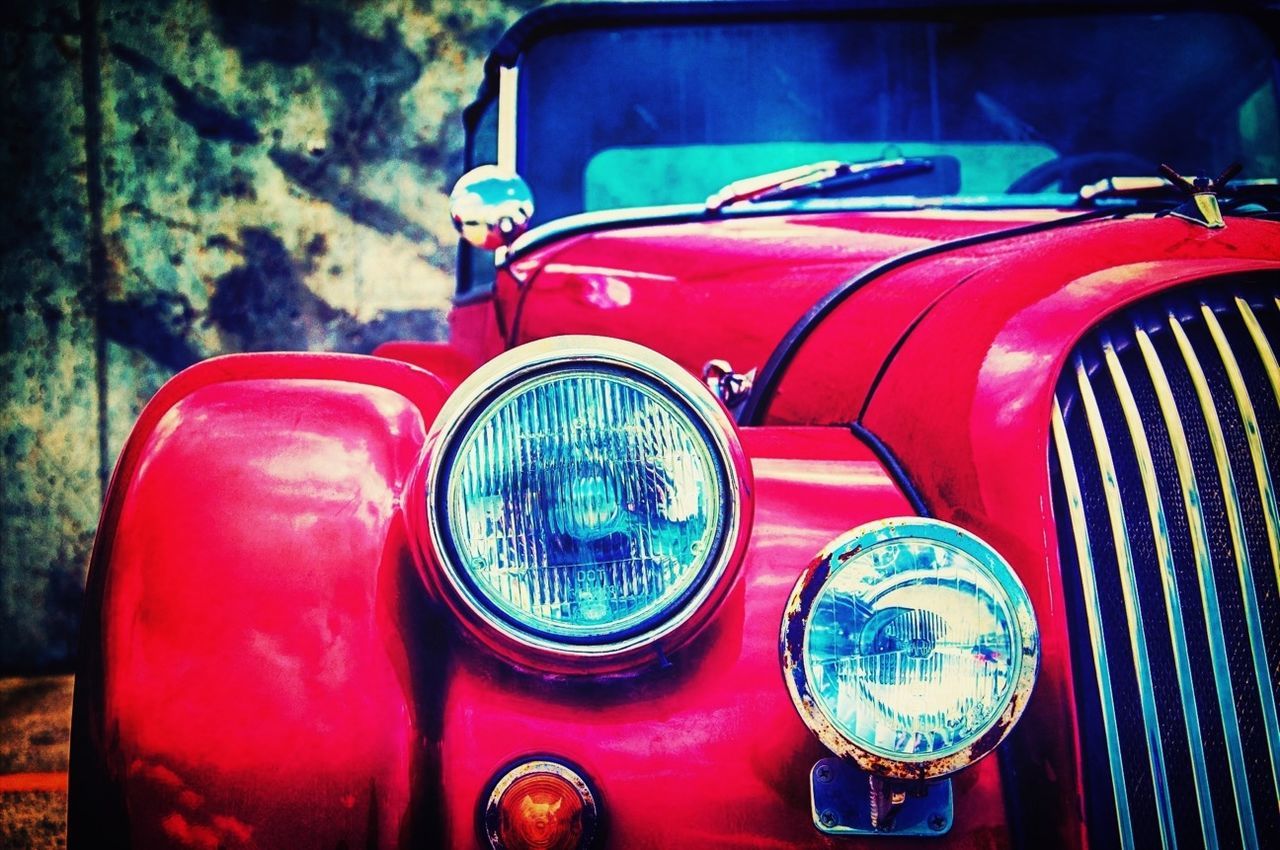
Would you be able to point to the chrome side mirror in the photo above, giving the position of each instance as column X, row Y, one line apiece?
column 491, row 207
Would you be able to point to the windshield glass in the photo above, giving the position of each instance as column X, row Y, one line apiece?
column 642, row 116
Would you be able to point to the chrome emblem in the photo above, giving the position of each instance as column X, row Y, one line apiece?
column 1202, row 207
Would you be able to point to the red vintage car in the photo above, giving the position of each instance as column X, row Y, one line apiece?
column 866, row 435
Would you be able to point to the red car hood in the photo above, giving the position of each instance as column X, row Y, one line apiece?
column 959, row 308
column 733, row 289
column 962, row 397
column 727, row 289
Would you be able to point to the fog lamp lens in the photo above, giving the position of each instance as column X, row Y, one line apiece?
column 540, row 805
column 915, row 641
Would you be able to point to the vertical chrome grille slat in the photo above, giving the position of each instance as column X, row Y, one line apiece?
column 1132, row 605
column 1169, row 583
column 1097, row 643
column 1208, row 589
column 1273, row 376
column 1165, row 430
column 1266, row 492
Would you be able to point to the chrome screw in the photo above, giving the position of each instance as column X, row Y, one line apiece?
column 828, row 818
column 937, row 822
column 823, row 773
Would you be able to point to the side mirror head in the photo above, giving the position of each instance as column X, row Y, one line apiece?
column 491, row 207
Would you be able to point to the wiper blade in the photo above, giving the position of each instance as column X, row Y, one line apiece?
column 1159, row 188
column 815, row 178
column 1127, row 187
column 1199, row 200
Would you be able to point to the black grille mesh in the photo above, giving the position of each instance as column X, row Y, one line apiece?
column 1166, row 449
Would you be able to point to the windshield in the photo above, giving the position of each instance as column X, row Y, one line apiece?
column 642, row 116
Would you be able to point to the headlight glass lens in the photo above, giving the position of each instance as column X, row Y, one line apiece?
column 584, row 503
column 912, row 648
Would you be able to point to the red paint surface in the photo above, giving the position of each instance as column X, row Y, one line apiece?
column 474, row 329
column 247, row 686
column 446, row 361
column 270, row 670
column 261, row 672
column 724, row 289
column 832, row 373
column 966, row 404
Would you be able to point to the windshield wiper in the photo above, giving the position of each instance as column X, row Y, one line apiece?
column 1196, row 199
column 1158, row 188
column 816, row 178
column 1136, row 188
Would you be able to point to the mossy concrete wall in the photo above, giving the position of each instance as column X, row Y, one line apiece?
column 187, row 178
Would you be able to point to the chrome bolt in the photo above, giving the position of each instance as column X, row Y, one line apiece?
column 937, row 822
column 828, row 818
column 823, row 773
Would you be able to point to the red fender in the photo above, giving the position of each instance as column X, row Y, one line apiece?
column 442, row 359
column 244, row 668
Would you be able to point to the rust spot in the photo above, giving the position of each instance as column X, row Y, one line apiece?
column 844, row 556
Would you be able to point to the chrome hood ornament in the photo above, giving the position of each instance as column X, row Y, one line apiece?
column 1202, row 206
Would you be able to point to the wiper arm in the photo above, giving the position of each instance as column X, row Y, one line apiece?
column 1159, row 188
column 1126, row 187
column 815, row 178
column 1199, row 200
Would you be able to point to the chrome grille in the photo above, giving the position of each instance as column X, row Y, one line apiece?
column 1166, row 443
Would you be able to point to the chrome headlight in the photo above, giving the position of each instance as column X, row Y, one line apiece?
column 585, row 495
column 909, row 645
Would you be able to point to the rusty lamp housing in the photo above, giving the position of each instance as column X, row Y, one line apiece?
column 909, row 647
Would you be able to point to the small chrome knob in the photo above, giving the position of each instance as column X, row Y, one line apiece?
column 729, row 386
column 491, row 207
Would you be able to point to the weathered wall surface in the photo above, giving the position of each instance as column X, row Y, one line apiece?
column 187, row 178
column 48, row 427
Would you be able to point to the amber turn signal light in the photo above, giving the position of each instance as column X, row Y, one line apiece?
column 541, row 805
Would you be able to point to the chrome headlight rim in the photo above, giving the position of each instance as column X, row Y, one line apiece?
column 809, row 587
column 519, row 367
